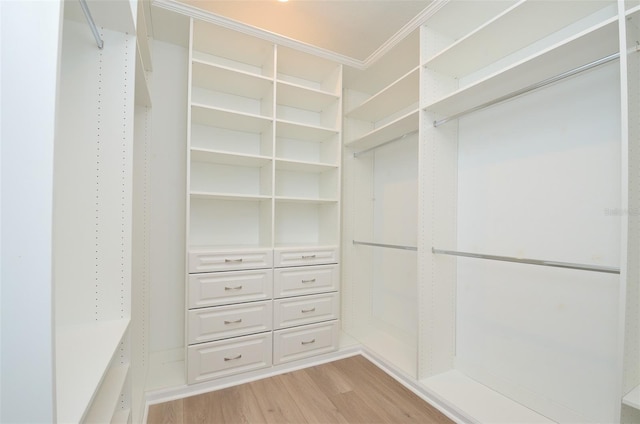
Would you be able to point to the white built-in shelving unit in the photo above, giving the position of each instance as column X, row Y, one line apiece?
column 380, row 205
column 489, row 123
column 263, row 196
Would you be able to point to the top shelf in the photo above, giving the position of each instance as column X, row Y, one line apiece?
column 586, row 47
column 526, row 22
column 400, row 94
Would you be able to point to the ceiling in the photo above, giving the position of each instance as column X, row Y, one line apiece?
column 354, row 30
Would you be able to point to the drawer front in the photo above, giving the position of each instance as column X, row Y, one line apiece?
column 222, row 322
column 305, row 310
column 227, row 357
column 211, row 260
column 305, row 280
column 223, row 288
column 303, row 342
column 305, row 256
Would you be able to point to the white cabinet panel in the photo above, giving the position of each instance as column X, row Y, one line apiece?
column 305, row 280
column 222, row 288
column 305, row 256
column 305, row 310
column 298, row 343
column 223, row 322
column 203, row 260
column 227, row 357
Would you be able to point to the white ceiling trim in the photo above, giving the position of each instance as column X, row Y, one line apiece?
column 194, row 12
column 412, row 25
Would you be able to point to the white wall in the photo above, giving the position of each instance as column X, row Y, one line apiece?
column 168, row 198
column 30, row 34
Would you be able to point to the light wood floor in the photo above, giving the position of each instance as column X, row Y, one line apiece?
column 351, row 390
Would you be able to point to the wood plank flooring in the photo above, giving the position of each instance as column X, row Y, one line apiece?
column 347, row 391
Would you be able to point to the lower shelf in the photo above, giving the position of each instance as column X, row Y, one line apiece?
column 478, row 402
column 83, row 355
column 632, row 398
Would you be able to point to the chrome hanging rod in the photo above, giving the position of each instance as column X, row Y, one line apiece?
column 92, row 25
column 403, row 136
column 569, row 265
column 387, row 246
column 532, row 87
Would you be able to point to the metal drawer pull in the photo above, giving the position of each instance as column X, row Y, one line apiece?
column 308, row 257
column 233, row 288
column 238, row 321
column 309, row 342
column 226, row 261
column 233, row 359
column 313, row 280
column 304, row 311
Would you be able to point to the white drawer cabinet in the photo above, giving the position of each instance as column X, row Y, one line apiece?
column 207, row 260
column 302, row 342
column 305, row 310
column 222, row 322
column 305, row 280
column 223, row 288
column 211, row 360
column 284, row 257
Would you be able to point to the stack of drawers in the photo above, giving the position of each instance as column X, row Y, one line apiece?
column 250, row 309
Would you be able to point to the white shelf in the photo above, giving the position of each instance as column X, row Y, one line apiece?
column 303, row 98
column 402, row 93
column 308, row 200
column 228, row 158
column 103, row 408
column 302, row 166
column 591, row 45
column 307, row 127
column 525, row 22
column 477, row 401
column 299, row 131
column 401, row 126
column 632, row 398
column 228, row 196
column 83, row 355
column 228, row 80
column 229, row 119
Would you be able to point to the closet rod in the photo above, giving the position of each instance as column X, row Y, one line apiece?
column 388, row 246
column 532, row 87
column 92, row 25
column 356, row 154
column 569, row 265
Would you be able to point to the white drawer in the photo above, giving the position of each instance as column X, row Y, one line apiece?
column 302, row 342
column 211, row 360
column 305, row 310
column 305, row 256
column 305, row 280
column 223, row 288
column 204, row 260
column 222, row 322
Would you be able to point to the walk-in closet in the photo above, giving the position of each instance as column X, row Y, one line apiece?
column 197, row 195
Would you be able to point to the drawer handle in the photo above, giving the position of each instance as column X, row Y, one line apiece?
column 238, row 321
column 304, row 311
column 233, row 359
column 313, row 280
column 309, row 342
column 233, row 288
column 308, row 256
column 227, row 261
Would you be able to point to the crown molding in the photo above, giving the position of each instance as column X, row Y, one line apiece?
column 411, row 26
column 194, row 12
